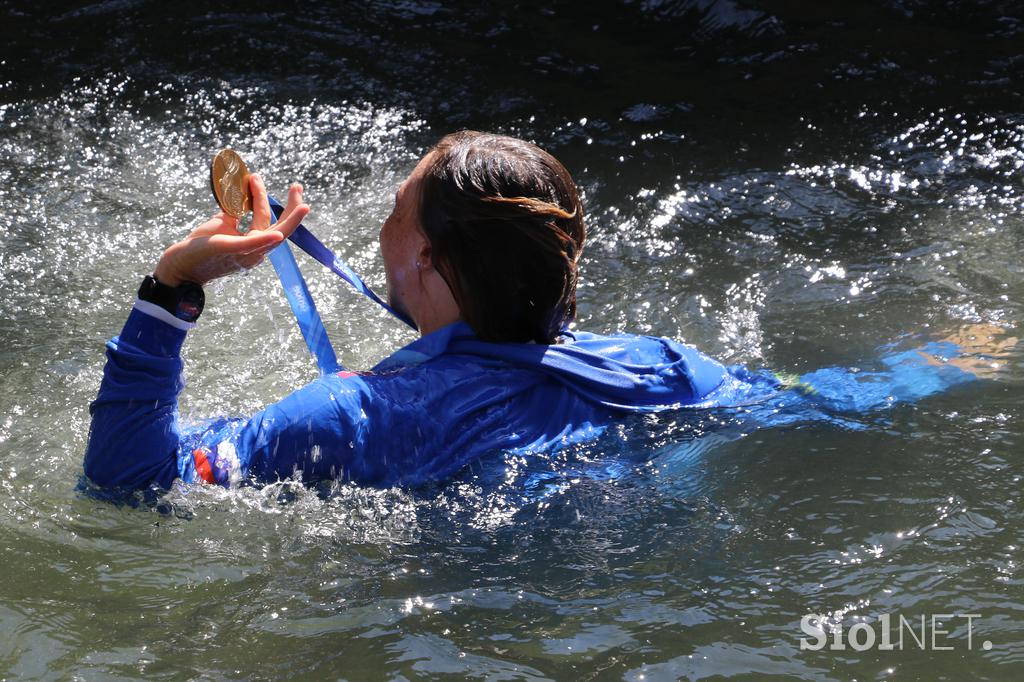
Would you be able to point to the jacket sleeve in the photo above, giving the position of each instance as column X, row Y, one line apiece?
column 136, row 438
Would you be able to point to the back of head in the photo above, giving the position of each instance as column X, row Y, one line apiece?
column 505, row 225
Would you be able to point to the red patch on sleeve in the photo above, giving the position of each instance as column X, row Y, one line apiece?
column 203, row 465
column 345, row 374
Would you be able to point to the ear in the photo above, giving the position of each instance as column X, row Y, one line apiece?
column 425, row 257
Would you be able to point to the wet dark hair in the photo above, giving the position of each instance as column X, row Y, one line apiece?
column 505, row 225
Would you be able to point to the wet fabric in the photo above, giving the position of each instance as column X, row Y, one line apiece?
column 419, row 415
column 438, row 404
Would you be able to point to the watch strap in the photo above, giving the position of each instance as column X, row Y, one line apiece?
column 185, row 301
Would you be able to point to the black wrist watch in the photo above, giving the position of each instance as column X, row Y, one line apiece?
column 184, row 301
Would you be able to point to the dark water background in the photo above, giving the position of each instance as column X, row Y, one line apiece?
column 786, row 184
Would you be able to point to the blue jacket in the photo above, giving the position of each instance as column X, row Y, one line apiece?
column 420, row 415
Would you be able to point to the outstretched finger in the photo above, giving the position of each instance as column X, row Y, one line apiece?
column 260, row 205
column 253, row 241
column 290, row 222
column 294, row 200
column 264, row 248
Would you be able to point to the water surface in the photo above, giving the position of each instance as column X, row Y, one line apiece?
column 791, row 188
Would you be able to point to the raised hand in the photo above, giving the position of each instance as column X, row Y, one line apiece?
column 215, row 248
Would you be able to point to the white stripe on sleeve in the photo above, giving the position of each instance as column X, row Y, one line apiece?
column 153, row 310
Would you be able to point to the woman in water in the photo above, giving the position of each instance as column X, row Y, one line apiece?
column 481, row 251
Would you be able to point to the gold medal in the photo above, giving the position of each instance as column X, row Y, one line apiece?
column 229, row 178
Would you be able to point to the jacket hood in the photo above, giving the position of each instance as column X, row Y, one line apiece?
column 624, row 371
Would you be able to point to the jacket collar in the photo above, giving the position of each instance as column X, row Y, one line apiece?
column 434, row 344
column 426, row 347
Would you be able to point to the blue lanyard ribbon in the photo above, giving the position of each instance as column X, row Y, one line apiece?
column 301, row 301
